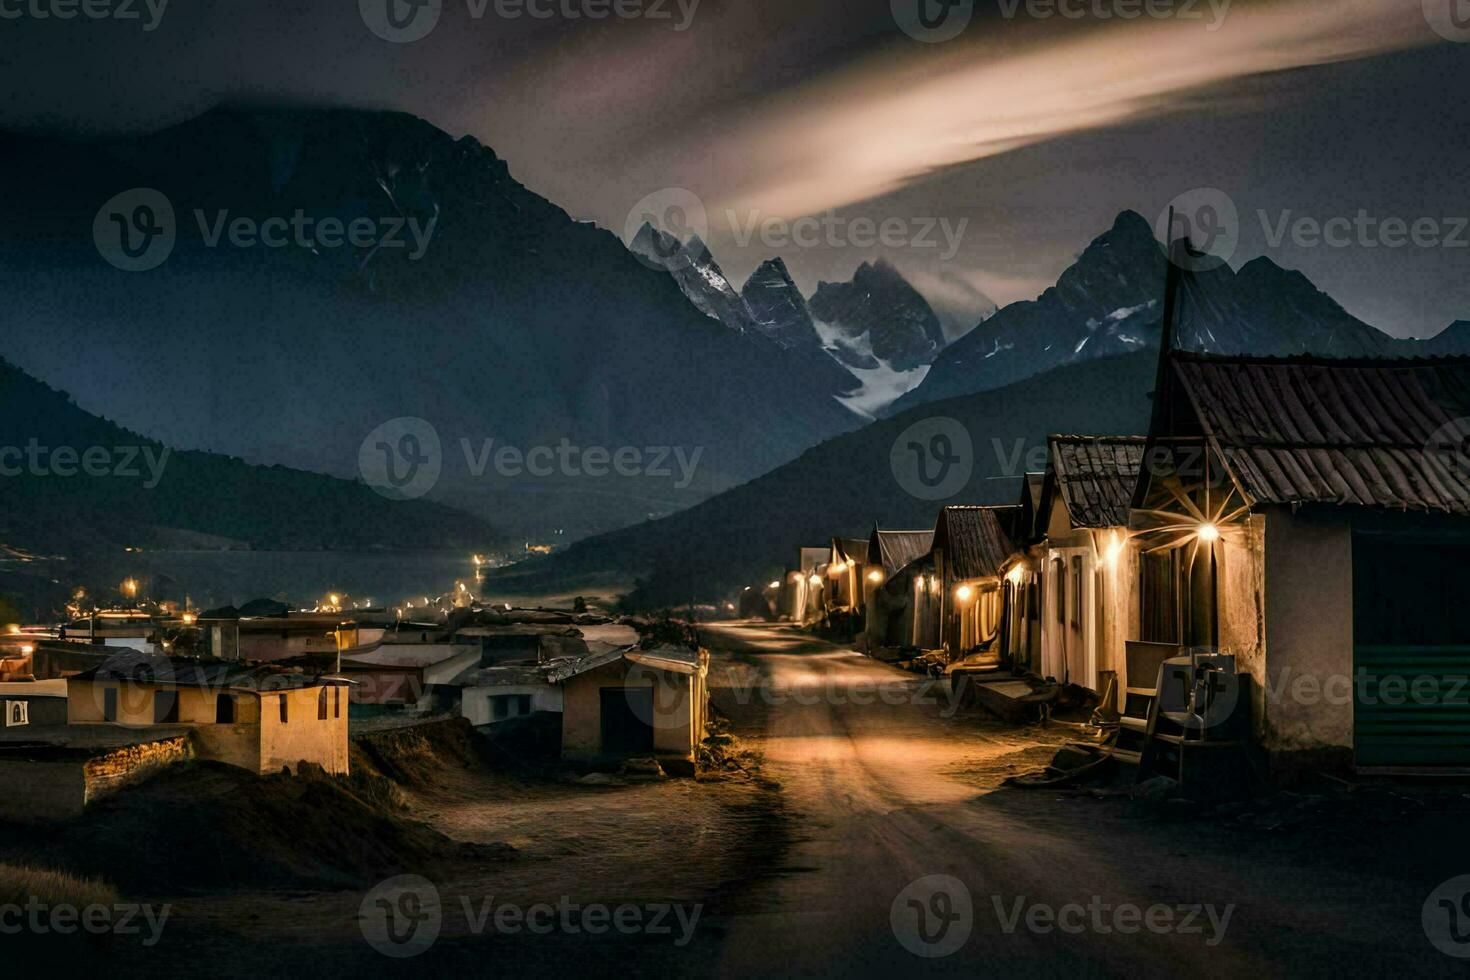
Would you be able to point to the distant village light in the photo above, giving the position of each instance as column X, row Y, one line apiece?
column 776, row 584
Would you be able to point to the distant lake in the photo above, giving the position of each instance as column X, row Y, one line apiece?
column 216, row 578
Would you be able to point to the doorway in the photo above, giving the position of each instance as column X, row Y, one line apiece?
column 627, row 720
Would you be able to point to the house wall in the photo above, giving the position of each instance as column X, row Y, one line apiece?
column 678, row 706
column 303, row 737
column 86, row 700
column 475, row 704
column 106, row 774
column 1307, row 652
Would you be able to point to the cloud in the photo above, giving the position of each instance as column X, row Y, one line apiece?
column 887, row 122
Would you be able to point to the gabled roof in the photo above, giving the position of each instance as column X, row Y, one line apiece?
column 1379, row 433
column 850, row 550
column 1095, row 477
column 895, row 549
column 976, row 540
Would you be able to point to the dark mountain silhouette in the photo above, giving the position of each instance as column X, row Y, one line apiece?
column 878, row 316
column 504, row 318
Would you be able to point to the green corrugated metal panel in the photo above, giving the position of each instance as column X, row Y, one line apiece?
column 1411, row 706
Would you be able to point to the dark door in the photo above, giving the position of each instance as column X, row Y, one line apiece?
column 165, row 707
column 1411, row 653
column 627, row 720
column 224, row 711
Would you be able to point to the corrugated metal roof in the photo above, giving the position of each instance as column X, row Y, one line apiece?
column 897, row 548
column 976, row 540
column 1096, row 476
column 1380, row 433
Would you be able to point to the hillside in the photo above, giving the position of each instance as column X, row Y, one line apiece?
column 75, row 484
column 749, row 535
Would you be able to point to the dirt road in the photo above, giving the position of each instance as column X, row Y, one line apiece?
column 886, row 791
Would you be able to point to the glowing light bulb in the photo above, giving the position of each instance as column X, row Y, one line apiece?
column 875, row 576
column 963, row 593
column 1209, row 533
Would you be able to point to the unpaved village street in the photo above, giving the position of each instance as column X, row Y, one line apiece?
column 883, row 795
column 869, row 783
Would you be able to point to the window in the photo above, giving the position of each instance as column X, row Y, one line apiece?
column 1159, row 597
column 165, row 707
column 321, row 705
column 109, row 704
column 224, row 710
column 1076, row 590
column 336, row 702
column 283, row 709
column 1059, row 576
column 503, row 706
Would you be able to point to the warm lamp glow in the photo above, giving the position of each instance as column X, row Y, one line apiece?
column 13, row 629
column 838, row 568
column 816, row 579
column 875, row 576
column 189, row 618
column 1115, row 549
column 963, row 593
column 776, row 584
column 1209, row 533
column 1017, row 574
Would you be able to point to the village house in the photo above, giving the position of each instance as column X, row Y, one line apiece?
column 804, row 594
column 256, row 718
column 847, row 567
column 1309, row 517
column 279, row 634
column 632, row 702
column 891, row 595
column 1087, row 610
column 972, row 548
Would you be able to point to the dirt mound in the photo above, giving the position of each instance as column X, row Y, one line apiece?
column 204, row 825
column 415, row 756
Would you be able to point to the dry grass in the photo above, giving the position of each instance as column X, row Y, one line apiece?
column 20, row 883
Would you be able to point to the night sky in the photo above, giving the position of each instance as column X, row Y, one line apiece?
column 1033, row 130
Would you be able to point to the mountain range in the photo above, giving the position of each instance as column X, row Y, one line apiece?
column 471, row 302
column 1108, row 303
column 852, row 336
